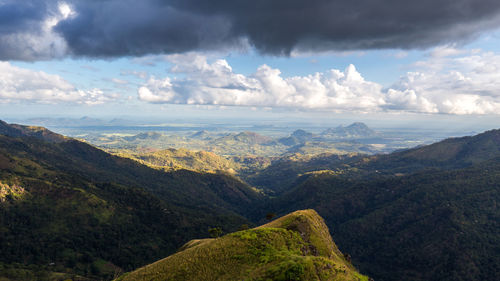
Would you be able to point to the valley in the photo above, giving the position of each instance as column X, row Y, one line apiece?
column 108, row 203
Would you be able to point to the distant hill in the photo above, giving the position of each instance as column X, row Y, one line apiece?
column 301, row 134
column 175, row 159
column 145, row 136
column 355, row 130
column 297, row 137
column 201, row 135
column 244, row 143
column 297, row 246
column 251, row 138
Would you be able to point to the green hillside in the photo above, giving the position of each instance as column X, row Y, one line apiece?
column 175, row 159
column 68, row 209
column 297, row 246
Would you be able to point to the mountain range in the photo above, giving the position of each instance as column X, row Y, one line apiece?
column 357, row 137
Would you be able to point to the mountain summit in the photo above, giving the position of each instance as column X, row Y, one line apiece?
column 297, row 246
column 355, row 130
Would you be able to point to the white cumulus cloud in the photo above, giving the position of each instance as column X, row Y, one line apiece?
column 216, row 84
column 468, row 84
column 449, row 81
column 19, row 84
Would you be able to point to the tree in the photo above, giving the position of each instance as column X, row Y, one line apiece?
column 215, row 232
column 243, row 227
column 270, row 216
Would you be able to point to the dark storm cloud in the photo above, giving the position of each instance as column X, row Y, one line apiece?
column 117, row 28
column 15, row 17
column 112, row 28
column 281, row 25
column 21, row 22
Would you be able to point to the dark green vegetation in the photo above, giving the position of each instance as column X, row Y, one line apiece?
column 428, row 213
column 67, row 208
column 297, row 246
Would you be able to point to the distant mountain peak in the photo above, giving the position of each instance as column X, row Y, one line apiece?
column 201, row 134
column 297, row 137
column 360, row 125
column 354, row 130
column 301, row 133
column 252, row 137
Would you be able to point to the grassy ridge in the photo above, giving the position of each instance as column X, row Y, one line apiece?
column 295, row 247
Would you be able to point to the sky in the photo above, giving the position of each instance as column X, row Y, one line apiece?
column 360, row 59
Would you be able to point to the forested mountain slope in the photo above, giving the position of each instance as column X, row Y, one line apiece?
column 438, row 223
column 85, row 211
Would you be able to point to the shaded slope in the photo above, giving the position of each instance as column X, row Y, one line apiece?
column 447, row 154
column 295, row 247
column 433, row 225
column 283, row 173
column 453, row 153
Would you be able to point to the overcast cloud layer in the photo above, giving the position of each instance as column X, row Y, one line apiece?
column 450, row 81
column 36, row 29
